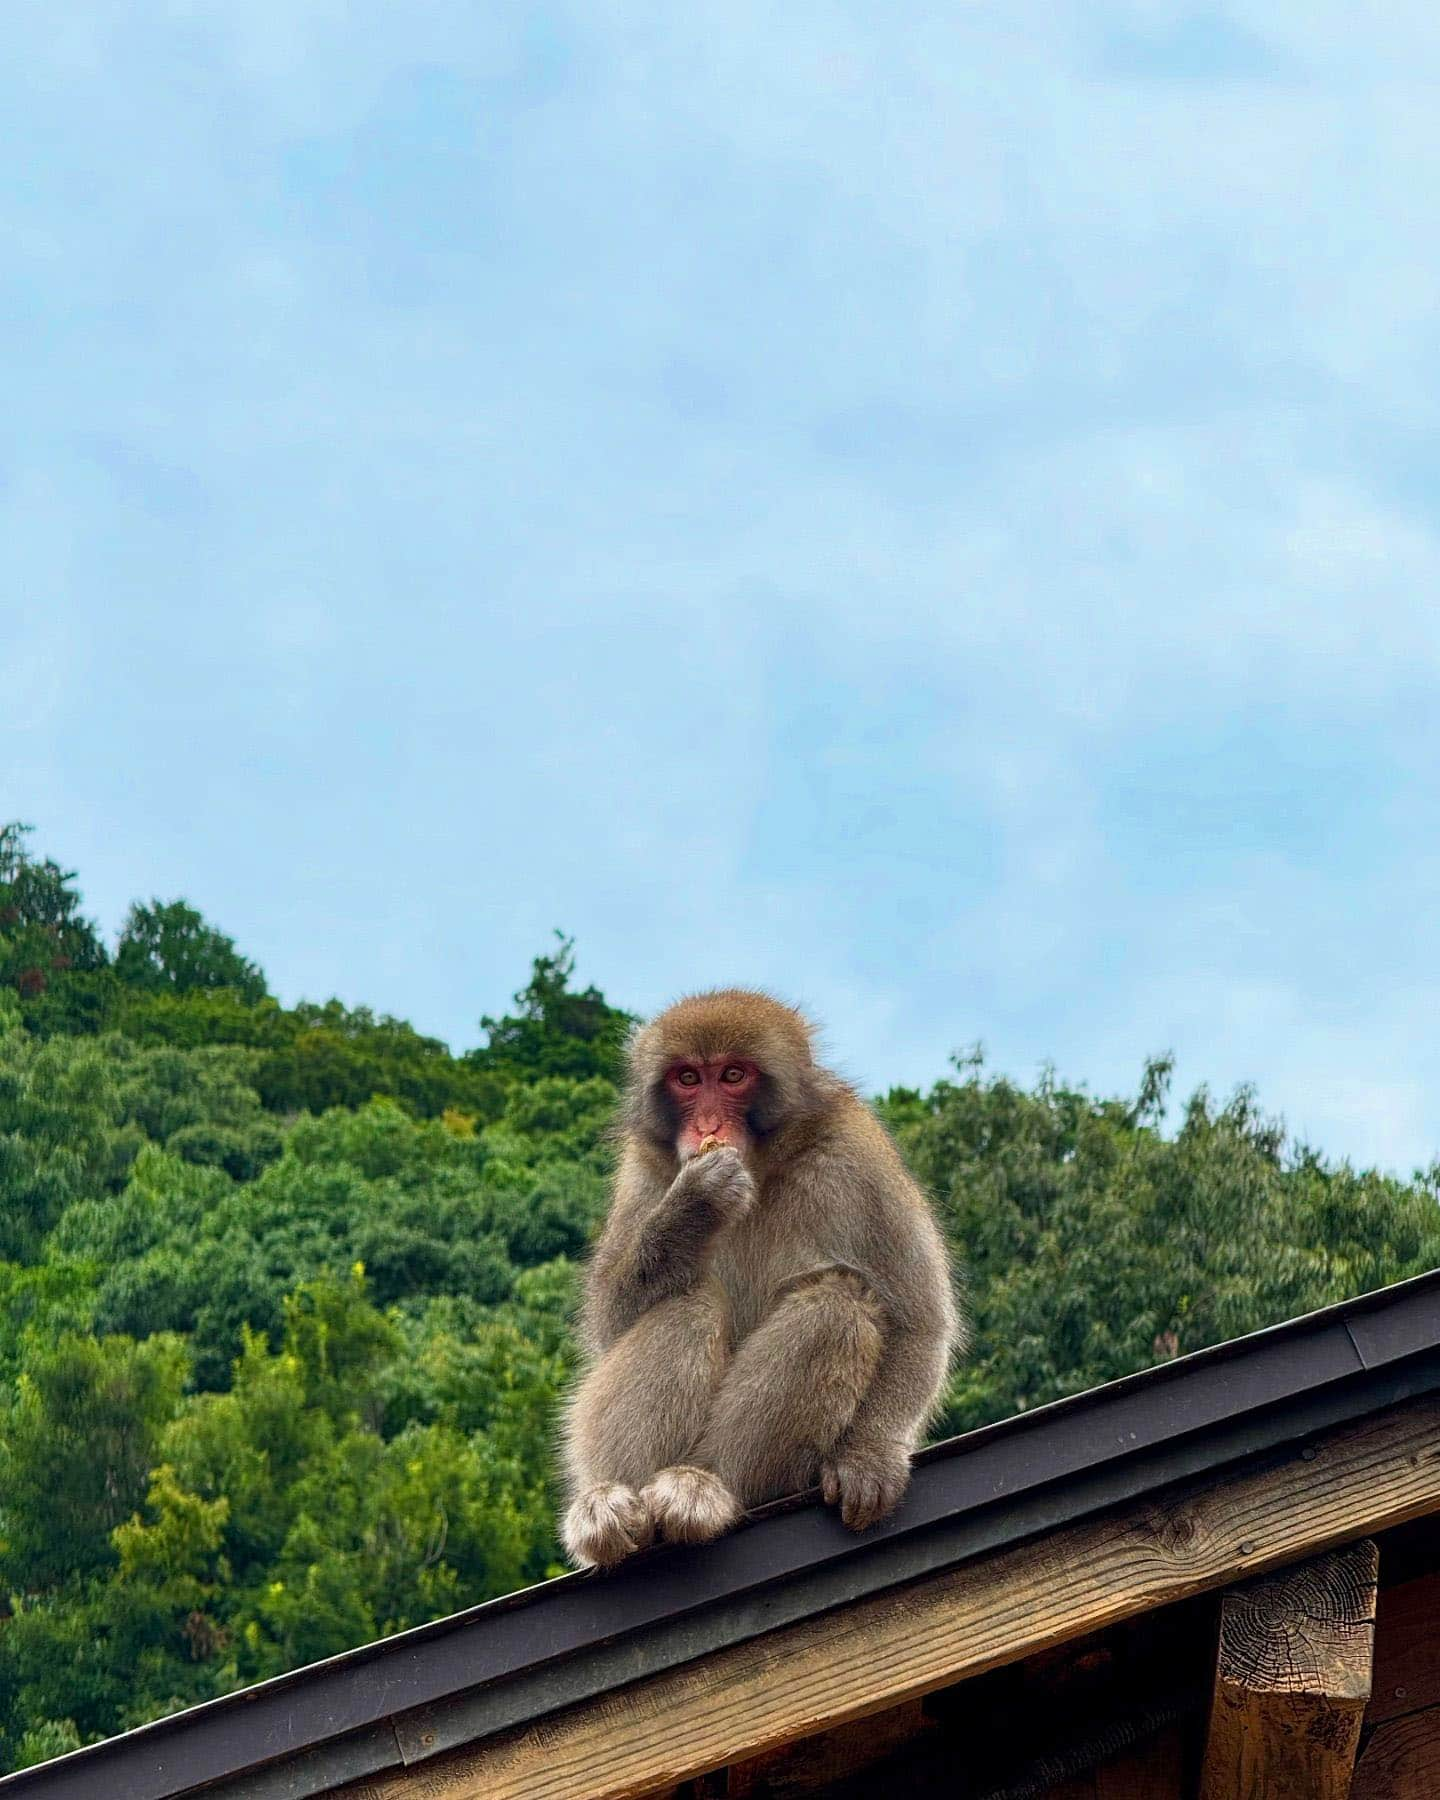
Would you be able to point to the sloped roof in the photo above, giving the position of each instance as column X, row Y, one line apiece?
column 409, row 1697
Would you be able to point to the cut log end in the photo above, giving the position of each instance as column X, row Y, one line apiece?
column 1292, row 1678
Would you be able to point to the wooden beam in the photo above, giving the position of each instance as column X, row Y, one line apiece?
column 1402, row 1760
column 817, row 1764
column 1407, row 1650
column 896, row 1646
column 1292, row 1681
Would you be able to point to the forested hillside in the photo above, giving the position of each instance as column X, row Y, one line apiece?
column 286, row 1290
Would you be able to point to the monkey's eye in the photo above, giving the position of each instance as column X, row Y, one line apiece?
column 733, row 1074
column 688, row 1078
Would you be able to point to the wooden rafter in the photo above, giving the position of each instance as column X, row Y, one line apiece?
column 895, row 1646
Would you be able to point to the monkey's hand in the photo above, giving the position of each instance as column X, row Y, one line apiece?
column 716, row 1188
column 865, row 1480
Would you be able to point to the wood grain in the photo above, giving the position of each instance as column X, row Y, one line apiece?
column 1401, row 1761
column 817, row 1763
column 896, row 1646
column 1407, row 1650
column 1292, row 1680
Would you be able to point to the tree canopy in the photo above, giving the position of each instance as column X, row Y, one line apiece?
column 166, row 947
column 555, row 1031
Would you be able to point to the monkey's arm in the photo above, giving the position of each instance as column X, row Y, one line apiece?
column 657, row 1238
column 870, row 1467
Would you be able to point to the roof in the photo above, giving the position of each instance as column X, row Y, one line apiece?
column 406, row 1698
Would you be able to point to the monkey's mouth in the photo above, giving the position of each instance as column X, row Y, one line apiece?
column 702, row 1143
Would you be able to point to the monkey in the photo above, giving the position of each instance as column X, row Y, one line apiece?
column 769, row 1304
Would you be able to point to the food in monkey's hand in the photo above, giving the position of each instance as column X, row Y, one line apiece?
column 707, row 1144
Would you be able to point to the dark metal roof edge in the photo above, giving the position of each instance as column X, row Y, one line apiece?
column 1074, row 1440
column 531, row 1694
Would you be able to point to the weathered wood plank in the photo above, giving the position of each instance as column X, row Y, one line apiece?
column 896, row 1646
column 1402, row 1760
column 816, row 1763
column 1292, row 1681
column 1407, row 1650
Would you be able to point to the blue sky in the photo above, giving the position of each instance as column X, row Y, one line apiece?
column 931, row 509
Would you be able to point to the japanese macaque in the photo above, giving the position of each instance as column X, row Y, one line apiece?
column 769, row 1305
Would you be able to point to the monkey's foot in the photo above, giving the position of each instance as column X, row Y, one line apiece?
column 605, row 1524
column 865, row 1483
column 689, row 1505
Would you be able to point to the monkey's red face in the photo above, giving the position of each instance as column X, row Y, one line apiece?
column 712, row 1099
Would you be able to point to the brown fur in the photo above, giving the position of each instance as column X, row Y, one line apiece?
column 754, row 1323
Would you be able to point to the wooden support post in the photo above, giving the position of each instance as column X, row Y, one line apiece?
column 1292, row 1680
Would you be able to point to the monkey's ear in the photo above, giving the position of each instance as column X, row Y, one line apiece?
column 638, row 1039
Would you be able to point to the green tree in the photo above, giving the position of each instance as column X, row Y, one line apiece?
column 50, row 956
column 63, row 1135
column 202, row 1016
column 1093, row 1244
column 167, row 947
column 556, row 1031
column 50, row 1737
column 79, row 1444
column 339, row 1056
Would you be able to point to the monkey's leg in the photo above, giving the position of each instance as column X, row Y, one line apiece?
column 793, row 1386
column 639, row 1411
